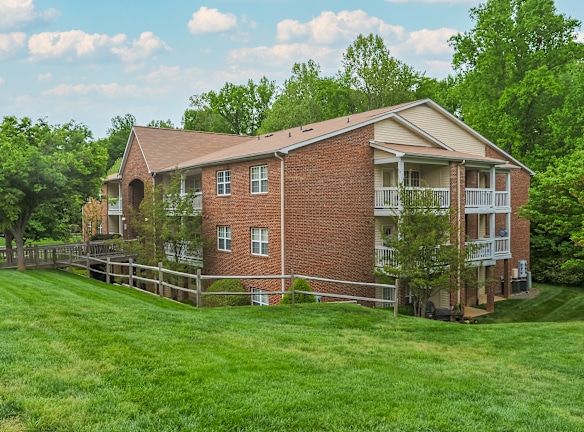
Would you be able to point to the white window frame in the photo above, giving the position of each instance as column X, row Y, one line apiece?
column 259, row 299
column 224, row 238
column 258, row 179
column 99, row 227
column 223, row 182
column 412, row 178
column 259, row 241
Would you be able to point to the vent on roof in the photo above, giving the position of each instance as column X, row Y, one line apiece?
column 306, row 130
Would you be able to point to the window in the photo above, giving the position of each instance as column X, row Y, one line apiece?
column 224, row 182
column 259, row 299
column 224, row 238
column 412, row 178
column 259, row 179
column 99, row 228
column 259, row 241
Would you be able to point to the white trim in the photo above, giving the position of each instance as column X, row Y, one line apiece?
column 226, row 237
column 259, row 242
column 223, row 182
column 259, row 181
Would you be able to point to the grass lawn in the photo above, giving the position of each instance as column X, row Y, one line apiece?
column 78, row 355
column 553, row 304
column 44, row 242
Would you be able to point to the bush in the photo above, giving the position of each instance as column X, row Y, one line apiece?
column 299, row 285
column 97, row 237
column 230, row 285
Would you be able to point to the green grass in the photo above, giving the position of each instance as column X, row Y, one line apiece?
column 43, row 242
column 78, row 355
column 553, row 304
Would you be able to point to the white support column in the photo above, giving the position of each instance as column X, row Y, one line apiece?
column 182, row 183
column 493, row 186
column 400, row 179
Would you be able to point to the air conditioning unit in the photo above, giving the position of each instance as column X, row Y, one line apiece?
column 514, row 273
column 522, row 269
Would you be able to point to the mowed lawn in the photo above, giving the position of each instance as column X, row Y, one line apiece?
column 79, row 355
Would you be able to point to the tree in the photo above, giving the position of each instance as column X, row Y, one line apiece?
column 243, row 107
column 306, row 98
column 556, row 212
column 163, row 124
column 117, row 137
column 166, row 225
column 202, row 118
column 510, row 67
column 427, row 255
column 377, row 78
column 46, row 174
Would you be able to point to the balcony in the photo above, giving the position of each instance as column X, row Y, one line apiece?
column 384, row 256
column 114, row 206
column 387, row 198
column 186, row 254
column 197, row 202
column 486, row 200
column 488, row 249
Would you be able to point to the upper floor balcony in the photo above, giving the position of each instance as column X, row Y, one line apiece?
column 196, row 202
column 387, row 199
column 114, row 206
column 184, row 253
column 481, row 200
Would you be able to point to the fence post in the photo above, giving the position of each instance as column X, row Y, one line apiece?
column 199, row 285
column 88, row 265
column 36, row 256
column 107, row 271
column 396, row 298
column 160, row 280
column 54, row 258
column 292, row 289
column 70, row 259
column 130, row 273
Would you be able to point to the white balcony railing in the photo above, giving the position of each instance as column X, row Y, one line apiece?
column 197, row 202
column 502, row 246
column 502, row 199
column 114, row 206
column 479, row 250
column 476, row 197
column 384, row 256
column 186, row 254
column 388, row 197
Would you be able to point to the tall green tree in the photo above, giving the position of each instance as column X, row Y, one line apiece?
column 556, row 212
column 377, row 78
column 164, row 124
column 426, row 256
column 307, row 97
column 117, row 137
column 200, row 117
column 46, row 174
column 511, row 66
column 243, row 107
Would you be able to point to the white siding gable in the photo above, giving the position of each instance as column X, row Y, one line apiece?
column 444, row 129
column 390, row 131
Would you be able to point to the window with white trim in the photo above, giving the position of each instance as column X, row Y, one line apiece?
column 412, row 178
column 99, row 228
column 259, row 241
column 259, row 179
column 224, row 238
column 224, row 182
column 260, row 298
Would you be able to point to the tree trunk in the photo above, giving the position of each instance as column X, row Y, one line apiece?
column 9, row 251
column 19, row 237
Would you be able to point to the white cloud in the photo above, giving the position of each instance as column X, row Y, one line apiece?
column 146, row 45
column 424, row 42
column 17, row 13
column 329, row 27
column 77, row 42
column 580, row 37
column 108, row 90
column 45, row 77
column 207, row 20
column 1, row 81
column 10, row 42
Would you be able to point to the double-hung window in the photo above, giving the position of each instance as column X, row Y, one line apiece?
column 224, row 182
column 259, row 179
column 412, row 178
column 224, row 238
column 259, row 241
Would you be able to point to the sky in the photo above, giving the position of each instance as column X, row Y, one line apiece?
column 89, row 61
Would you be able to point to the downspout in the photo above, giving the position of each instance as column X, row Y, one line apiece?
column 459, row 218
column 282, row 250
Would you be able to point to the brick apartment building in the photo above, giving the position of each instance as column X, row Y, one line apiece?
column 317, row 199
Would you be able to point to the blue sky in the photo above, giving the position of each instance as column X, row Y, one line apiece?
column 90, row 61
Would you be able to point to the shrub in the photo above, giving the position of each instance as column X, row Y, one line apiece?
column 97, row 237
column 230, row 285
column 299, row 285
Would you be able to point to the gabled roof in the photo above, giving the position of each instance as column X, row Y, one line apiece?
column 167, row 148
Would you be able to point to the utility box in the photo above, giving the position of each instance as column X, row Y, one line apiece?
column 514, row 273
column 522, row 269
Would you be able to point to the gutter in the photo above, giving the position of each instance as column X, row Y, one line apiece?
column 282, row 249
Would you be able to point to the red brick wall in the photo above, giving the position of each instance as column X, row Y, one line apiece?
column 135, row 168
column 330, row 230
column 242, row 211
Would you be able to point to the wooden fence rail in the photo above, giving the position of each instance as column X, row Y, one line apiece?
column 99, row 258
